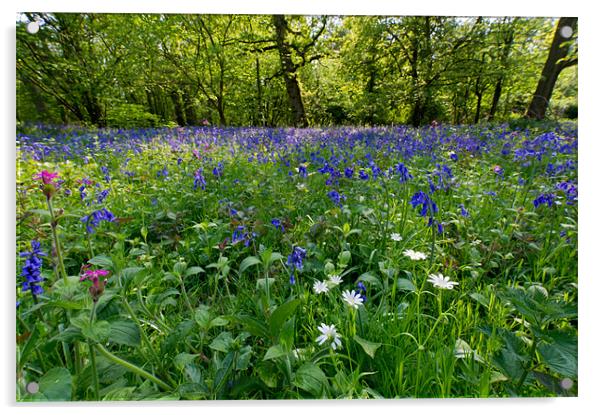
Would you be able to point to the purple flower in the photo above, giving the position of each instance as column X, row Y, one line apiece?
column 404, row 173
column 278, row 224
column 463, row 210
column 543, row 199
column 428, row 205
column 336, row 197
column 199, row 179
column 94, row 219
column 32, row 269
column 349, row 172
column 363, row 175
column 302, row 171
column 295, row 261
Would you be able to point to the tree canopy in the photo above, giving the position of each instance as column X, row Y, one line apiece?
column 127, row 70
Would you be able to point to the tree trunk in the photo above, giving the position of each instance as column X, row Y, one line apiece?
column 290, row 76
column 176, row 98
column 551, row 70
column 497, row 92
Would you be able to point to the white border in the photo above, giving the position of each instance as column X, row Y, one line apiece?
column 589, row 190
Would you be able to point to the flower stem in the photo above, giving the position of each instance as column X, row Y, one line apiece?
column 132, row 368
column 93, row 357
column 57, row 245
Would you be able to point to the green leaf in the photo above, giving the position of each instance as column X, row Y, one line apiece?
column 405, row 285
column 281, row 314
column 371, row 280
column 56, row 384
column 183, row 359
column 127, row 275
column 193, row 271
column 274, row 352
column 481, row 299
column 102, row 261
column 252, row 325
column 561, row 353
column 218, row 322
column 222, row 342
column 124, row 332
column 248, row 262
column 310, row 378
column 369, row 347
column 98, row 331
column 26, row 351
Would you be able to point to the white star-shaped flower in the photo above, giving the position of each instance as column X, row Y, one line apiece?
column 320, row 287
column 329, row 333
column 439, row 281
column 414, row 255
column 353, row 299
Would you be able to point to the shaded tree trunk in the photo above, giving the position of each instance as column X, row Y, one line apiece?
column 176, row 98
column 555, row 63
column 497, row 92
column 290, row 76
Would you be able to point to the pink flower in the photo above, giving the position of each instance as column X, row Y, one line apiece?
column 46, row 176
column 96, row 289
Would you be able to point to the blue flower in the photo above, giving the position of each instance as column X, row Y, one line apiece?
column 278, row 224
column 336, row 197
column 428, row 205
column 94, row 219
column 363, row 175
column 349, row 172
column 295, row 261
column 32, row 269
column 404, row 173
column 544, row 198
column 199, row 179
column 102, row 196
column 302, row 171
column 463, row 210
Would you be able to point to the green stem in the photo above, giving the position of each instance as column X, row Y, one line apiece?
column 183, row 287
column 94, row 371
column 57, row 245
column 145, row 338
column 528, row 368
column 93, row 357
column 132, row 368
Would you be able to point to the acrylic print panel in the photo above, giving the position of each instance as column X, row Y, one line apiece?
column 235, row 207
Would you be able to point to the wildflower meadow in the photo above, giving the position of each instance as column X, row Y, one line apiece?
column 211, row 262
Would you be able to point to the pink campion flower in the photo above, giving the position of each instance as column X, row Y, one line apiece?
column 49, row 186
column 97, row 288
column 46, row 176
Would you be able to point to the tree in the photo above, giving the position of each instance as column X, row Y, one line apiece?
column 558, row 59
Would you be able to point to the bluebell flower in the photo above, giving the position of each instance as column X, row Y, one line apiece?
column 363, row 175
column 105, row 171
column 362, row 291
column 94, row 219
column 32, row 269
column 278, row 224
column 428, row 205
column 295, row 261
column 463, row 210
column 302, row 171
column 543, row 199
column 348, row 172
column 336, row 197
column 404, row 173
column 102, row 196
column 199, row 179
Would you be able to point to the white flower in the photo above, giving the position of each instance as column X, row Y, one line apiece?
column 335, row 279
column 329, row 333
column 439, row 281
column 414, row 255
column 396, row 237
column 352, row 298
column 320, row 287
